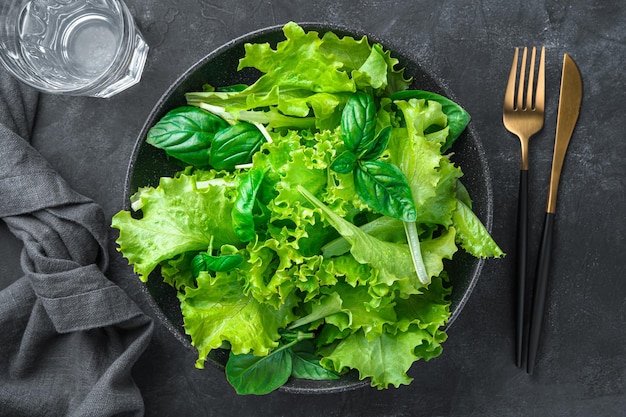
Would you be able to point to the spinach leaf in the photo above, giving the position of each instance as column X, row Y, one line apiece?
column 242, row 215
column 259, row 375
column 250, row 374
column 379, row 145
column 186, row 133
column 235, row 145
column 344, row 163
column 306, row 364
column 358, row 123
column 380, row 184
column 383, row 187
column 458, row 118
column 223, row 263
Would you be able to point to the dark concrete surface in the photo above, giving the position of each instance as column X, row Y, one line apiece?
column 468, row 46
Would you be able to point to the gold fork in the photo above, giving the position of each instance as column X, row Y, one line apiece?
column 523, row 116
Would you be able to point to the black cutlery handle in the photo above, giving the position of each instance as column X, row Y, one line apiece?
column 539, row 297
column 521, row 252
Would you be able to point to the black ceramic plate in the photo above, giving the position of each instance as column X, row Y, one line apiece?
column 219, row 68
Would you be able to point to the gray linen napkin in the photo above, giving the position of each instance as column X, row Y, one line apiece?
column 68, row 335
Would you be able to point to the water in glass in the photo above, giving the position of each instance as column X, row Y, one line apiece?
column 86, row 47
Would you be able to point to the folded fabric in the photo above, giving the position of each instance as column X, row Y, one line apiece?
column 68, row 335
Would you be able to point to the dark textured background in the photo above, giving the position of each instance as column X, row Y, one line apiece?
column 468, row 46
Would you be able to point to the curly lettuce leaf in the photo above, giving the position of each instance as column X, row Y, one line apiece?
column 439, row 196
column 457, row 117
column 287, row 255
column 384, row 359
column 217, row 311
column 472, row 234
column 429, row 310
column 305, row 72
column 296, row 63
column 177, row 218
column 391, row 260
column 384, row 228
column 276, row 268
column 177, row 271
column 318, row 309
column 369, row 65
column 358, row 312
column 296, row 78
column 431, row 175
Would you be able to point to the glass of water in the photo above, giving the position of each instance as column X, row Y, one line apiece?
column 74, row 47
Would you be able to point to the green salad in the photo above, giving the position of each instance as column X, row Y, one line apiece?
column 307, row 228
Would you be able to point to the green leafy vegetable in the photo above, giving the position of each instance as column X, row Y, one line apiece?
column 223, row 263
column 217, row 311
column 457, row 117
column 344, row 163
column 309, row 233
column 186, row 133
column 385, row 189
column 392, row 260
column 472, row 234
column 358, row 123
column 177, row 218
column 250, row 374
column 379, row 184
column 242, row 214
column 380, row 144
column 386, row 359
column 306, row 364
column 235, row 145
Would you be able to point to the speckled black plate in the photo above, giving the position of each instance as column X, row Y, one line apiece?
column 219, row 68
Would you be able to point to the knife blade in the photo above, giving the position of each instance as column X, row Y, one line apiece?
column 570, row 100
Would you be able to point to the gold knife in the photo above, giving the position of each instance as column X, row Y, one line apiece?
column 569, row 107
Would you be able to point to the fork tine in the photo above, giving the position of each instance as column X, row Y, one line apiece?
column 522, row 78
column 541, row 82
column 530, row 90
column 509, row 95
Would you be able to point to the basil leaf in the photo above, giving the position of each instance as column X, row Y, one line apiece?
column 306, row 364
column 344, row 163
column 259, row 375
column 186, row 133
column 385, row 189
column 235, row 145
column 458, row 118
column 242, row 215
column 379, row 145
column 358, row 123
column 223, row 263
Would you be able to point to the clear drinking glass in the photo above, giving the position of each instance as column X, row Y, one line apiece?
column 75, row 47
